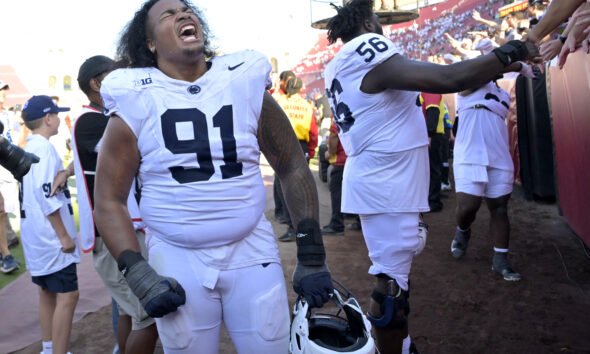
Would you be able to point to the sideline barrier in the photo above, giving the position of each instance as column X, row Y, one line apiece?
column 569, row 97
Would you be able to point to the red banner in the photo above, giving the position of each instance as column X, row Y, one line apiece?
column 515, row 7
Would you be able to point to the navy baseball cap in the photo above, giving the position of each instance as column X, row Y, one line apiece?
column 38, row 106
column 93, row 67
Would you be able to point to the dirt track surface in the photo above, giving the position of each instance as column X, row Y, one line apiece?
column 456, row 306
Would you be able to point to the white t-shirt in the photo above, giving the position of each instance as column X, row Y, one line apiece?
column 381, row 133
column 41, row 244
column 201, row 182
column 482, row 135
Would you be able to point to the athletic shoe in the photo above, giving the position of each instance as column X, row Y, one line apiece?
column 501, row 266
column 355, row 226
column 9, row 264
column 288, row 236
column 329, row 230
column 282, row 219
column 445, row 186
column 460, row 242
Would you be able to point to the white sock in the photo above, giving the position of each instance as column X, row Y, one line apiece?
column 460, row 229
column 501, row 250
column 48, row 347
column 406, row 345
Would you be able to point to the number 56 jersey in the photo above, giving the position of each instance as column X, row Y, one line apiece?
column 388, row 121
column 199, row 168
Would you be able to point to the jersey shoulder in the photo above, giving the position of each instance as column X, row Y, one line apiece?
column 126, row 80
column 240, row 61
column 364, row 52
column 122, row 90
column 251, row 63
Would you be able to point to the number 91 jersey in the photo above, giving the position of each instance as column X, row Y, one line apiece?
column 388, row 121
column 199, row 169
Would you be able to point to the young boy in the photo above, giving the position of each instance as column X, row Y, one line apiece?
column 48, row 230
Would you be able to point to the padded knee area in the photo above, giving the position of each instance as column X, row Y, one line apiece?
column 394, row 308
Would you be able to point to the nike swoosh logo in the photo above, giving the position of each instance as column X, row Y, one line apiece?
column 230, row 68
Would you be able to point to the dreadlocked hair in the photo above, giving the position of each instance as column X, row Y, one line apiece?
column 349, row 19
column 132, row 49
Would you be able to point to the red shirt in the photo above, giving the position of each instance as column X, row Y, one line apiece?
column 340, row 154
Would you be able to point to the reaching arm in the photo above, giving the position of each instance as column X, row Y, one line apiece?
column 118, row 161
column 61, row 178
column 558, row 11
column 400, row 73
column 476, row 16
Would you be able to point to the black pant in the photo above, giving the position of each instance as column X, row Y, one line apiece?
column 337, row 220
column 446, row 152
column 436, row 155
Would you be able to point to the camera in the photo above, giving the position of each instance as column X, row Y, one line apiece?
column 15, row 159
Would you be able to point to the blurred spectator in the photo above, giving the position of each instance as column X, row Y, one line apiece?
column 322, row 106
column 7, row 184
column 433, row 108
column 337, row 157
column 302, row 117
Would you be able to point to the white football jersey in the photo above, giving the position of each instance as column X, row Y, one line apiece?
column 389, row 121
column 41, row 245
column 201, row 182
column 482, row 134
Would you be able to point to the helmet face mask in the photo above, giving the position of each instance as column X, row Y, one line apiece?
column 347, row 331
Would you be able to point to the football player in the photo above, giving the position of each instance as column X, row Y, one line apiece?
column 193, row 125
column 382, row 130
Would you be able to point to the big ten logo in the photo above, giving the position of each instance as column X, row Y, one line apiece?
column 143, row 82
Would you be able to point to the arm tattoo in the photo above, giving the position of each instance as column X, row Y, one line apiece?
column 279, row 144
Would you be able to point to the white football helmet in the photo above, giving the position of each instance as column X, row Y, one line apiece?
column 322, row 333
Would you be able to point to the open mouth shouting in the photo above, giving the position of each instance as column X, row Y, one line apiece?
column 188, row 33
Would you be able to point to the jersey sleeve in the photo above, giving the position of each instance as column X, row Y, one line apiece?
column 123, row 98
column 257, row 70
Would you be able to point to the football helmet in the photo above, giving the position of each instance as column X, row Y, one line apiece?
column 347, row 331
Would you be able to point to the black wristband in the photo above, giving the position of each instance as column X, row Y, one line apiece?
column 512, row 51
column 127, row 259
column 562, row 39
column 310, row 246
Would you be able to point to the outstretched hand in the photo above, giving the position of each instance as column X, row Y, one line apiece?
column 551, row 49
column 534, row 56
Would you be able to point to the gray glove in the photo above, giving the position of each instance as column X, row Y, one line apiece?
column 314, row 283
column 158, row 295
